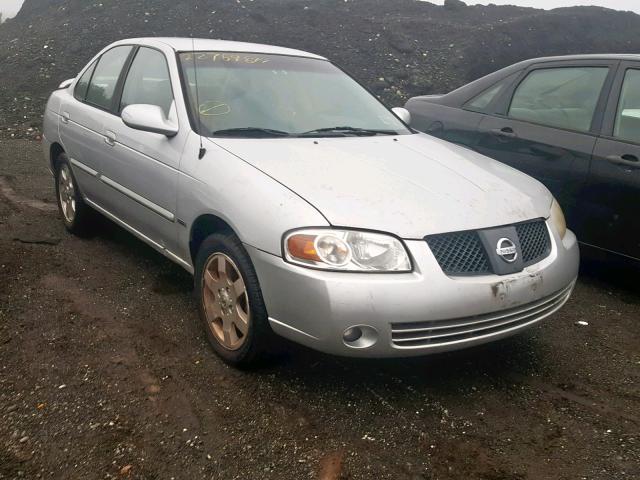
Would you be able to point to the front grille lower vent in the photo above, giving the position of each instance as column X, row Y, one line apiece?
column 436, row 333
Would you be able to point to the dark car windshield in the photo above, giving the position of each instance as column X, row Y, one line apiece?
column 259, row 95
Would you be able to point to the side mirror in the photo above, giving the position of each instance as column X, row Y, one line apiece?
column 148, row 118
column 403, row 114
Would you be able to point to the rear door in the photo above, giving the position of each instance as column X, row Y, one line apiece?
column 547, row 125
column 453, row 121
column 83, row 117
column 613, row 199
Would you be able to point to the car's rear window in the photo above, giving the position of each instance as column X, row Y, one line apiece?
column 105, row 77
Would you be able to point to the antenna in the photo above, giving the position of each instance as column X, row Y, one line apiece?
column 202, row 151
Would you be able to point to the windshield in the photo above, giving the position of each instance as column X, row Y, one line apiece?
column 258, row 95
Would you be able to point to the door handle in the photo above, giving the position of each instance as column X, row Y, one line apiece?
column 506, row 132
column 65, row 117
column 110, row 138
column 627, row 160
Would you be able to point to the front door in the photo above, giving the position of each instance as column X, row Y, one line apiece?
column 613, row 198
column 547, row 128
column 142, row 167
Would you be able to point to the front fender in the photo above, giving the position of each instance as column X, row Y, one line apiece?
column 255, row 206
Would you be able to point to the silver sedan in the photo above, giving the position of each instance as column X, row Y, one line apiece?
column 302, row 205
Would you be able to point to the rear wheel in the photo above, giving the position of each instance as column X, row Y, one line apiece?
column 75, row 213
column 230, row 302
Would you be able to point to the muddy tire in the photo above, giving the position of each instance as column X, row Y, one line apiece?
column 230, row 302
column 76, row 215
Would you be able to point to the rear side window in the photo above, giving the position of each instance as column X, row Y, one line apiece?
column 481, row 102
column 560, row 97
column 105, row 77
column 628, row 118
column 80, row 92
column 148, row 81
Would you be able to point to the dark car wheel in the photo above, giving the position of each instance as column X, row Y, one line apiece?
column 75, row 213
column 230, row 302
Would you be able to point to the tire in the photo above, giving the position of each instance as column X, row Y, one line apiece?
column 222, row 268
column 76, row 214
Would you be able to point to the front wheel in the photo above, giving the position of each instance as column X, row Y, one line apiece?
column 230, row 302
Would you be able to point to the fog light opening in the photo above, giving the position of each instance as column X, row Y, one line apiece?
column 352, row 334
column 360, row 336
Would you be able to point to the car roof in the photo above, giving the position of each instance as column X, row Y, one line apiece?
column 461, row 95
column 185, row 44
column 569, row 58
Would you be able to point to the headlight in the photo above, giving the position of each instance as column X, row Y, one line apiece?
column 557, row 218
column 346, row 250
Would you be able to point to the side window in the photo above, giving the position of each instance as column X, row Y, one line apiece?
column 148, row 81
column 481, row 102
column 80, row 92
column 564, row 97
column 628, row 117
column 105, row 77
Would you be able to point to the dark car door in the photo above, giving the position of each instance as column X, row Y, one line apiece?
column 613, row 192
column 547, row 124
column 455, row 117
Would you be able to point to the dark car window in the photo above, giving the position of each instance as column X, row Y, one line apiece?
column 560, row 97
column 105, row 77
column 628, row 118
column 481, row 102
column 148, row 81
column 80, row 92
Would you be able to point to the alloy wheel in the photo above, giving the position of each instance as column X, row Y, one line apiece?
column 67, row 193
column 226, row 302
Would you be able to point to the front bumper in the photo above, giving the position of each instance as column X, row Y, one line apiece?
column 416, row 313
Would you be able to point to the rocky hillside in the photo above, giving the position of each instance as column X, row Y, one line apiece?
column 398, row 48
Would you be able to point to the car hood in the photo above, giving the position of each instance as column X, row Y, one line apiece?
column 408, row 185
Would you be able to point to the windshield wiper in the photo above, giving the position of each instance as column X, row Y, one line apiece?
column 347, row 131
column 251, row 132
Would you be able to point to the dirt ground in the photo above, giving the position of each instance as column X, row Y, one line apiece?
column 105, row 373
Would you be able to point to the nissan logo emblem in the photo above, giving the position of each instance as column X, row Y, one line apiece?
column 506, row 249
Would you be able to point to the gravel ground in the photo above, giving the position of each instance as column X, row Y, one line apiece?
column 105, row 373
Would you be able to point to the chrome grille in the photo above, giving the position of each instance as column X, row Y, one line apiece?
column 534, row 241
column 443, row 332
column 460, row 253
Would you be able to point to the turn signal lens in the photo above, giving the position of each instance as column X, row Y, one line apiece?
column 347, row 250
column 557, row 218
column 303, row 248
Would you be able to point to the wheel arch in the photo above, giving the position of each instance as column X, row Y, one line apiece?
column 203, row 226
column 54, row 153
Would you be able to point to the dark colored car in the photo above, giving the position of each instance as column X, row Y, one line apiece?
column 571, row 122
